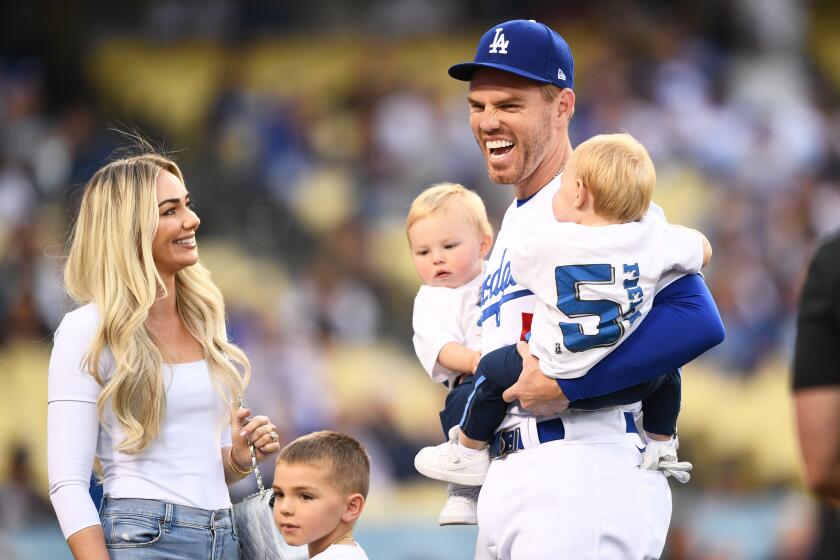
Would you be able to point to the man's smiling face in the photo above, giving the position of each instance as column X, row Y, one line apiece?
column 512, row 123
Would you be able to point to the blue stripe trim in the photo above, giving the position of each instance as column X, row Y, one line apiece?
column 631, row 423
column 478, row 381
column 521, row 201
column 496, row 308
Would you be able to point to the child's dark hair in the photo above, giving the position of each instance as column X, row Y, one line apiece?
column 343, row 455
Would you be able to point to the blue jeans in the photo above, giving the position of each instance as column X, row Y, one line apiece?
column 137, row 529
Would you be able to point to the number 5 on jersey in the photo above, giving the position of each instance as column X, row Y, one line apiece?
column 569, row 279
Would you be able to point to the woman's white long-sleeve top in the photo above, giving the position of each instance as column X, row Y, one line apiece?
column 183, row 465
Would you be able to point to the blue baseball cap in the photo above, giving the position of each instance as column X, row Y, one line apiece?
column 523, row 47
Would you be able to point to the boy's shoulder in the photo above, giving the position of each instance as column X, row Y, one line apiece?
column 342, row 552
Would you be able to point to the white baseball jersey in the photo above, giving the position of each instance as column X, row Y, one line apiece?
column 595, row 285
column 507, row 306
column 443, row 315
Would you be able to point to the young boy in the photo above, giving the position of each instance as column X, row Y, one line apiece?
column 594, row 272
column 320, row 486
column 449, row 235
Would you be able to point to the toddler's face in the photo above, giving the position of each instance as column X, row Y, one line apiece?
column 447, row 250
column 307, row 505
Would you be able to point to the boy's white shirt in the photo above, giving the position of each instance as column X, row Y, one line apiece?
column 444, row 315
column 634, row 256
column 342, row 552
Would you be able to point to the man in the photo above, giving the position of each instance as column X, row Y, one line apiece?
column 567, row 486
column 816, row 386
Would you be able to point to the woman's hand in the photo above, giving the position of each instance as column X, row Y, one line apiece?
column 257, row 430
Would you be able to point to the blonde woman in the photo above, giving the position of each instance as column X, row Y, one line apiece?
column 143, row 377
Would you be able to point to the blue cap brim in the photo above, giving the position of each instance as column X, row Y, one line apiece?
column 465, row 71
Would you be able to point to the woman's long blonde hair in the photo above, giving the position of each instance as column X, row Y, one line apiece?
column 110, row 264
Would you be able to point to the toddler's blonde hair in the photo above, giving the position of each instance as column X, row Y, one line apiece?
column 450, row 197
column 618, row 171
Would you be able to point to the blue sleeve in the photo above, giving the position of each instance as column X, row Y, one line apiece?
column 683, row 323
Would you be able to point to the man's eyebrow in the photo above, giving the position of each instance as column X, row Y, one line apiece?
column 511, row 98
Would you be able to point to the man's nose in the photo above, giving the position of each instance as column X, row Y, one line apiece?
column 489, row 121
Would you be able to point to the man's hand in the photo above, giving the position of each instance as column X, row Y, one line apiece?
column 536, row 392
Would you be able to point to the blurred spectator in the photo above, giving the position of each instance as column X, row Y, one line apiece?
column 21, row 503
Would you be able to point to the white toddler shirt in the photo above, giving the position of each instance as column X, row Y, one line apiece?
column 595, row 285
column 507, row 307
column 444, row 315
column 183, row 465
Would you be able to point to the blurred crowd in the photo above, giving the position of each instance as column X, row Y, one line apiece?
column 303, row 151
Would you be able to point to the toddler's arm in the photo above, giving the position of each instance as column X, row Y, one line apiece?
column 707, row 247
column 440, row 339
column 458, row 358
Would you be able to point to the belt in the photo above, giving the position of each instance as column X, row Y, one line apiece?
column 510, row 441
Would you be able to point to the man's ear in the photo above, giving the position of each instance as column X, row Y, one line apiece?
column 486, row 244
column 353, row 508
column 566, row 104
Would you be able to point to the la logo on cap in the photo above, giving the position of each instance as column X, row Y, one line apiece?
column 499, row 45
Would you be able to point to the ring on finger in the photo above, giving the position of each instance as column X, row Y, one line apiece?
column 274, row 437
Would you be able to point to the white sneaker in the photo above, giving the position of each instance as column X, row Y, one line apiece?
column 451, row 462
column 662, row 456
column 460, row 508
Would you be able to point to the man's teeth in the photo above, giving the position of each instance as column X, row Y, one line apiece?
column 494, row 144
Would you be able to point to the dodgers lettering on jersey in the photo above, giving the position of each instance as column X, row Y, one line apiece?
column 494, row 288
column 507, row 306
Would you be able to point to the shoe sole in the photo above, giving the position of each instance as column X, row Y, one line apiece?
column 467, row 479
column 443, row 522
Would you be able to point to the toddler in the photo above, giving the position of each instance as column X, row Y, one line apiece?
column 449, row 236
